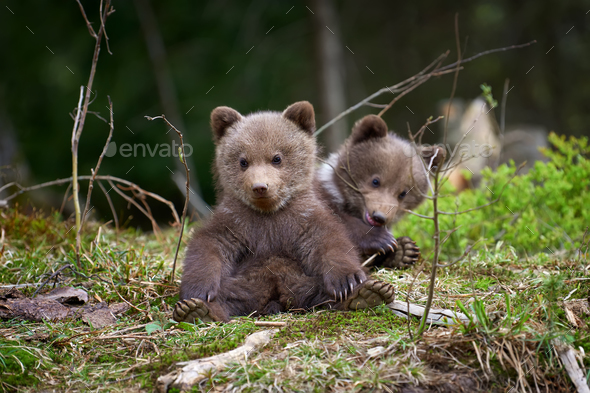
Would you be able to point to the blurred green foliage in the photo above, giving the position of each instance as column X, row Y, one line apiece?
column 543, row 210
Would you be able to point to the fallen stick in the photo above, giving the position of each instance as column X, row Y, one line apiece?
column 270, row 324
column 435, row 316
column 195, row 371
column 568, row 358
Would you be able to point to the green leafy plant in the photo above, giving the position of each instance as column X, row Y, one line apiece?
column 543, row 210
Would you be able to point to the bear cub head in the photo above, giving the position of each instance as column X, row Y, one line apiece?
column 264, row 159
column 389, row 173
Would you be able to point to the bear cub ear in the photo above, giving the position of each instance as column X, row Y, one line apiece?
column 302, row 114
column 437, row 152
column 369, row 127
column 222, row 118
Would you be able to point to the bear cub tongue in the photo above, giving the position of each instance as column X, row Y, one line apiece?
column 370, row 220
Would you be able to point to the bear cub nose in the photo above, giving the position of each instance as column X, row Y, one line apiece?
column 259, row 188
column 379, row 218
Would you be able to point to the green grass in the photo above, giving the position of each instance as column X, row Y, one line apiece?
column 516, row 302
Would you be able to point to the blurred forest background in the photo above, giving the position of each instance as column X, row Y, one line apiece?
column 184, row 58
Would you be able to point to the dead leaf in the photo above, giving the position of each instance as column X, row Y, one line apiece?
column 67, row 295
column 99, row 318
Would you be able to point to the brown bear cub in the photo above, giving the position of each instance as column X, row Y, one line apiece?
column 369, row 183
column 271, row 244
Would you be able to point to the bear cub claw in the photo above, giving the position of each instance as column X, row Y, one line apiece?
column 406, row 255
column 369, row 294
column 379, row 241
column 189, row 310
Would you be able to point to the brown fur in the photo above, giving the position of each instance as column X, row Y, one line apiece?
column 271, row 244
column 372, row 153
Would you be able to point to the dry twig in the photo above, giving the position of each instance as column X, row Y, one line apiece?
column 186, row 201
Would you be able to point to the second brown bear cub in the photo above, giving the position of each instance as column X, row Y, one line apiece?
column 270, row 244
column 370, row 182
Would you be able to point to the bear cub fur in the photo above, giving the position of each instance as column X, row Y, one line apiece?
column 270, row 245
column 369, row 183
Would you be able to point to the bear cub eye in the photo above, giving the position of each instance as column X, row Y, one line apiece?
column 376, row 182
column 402, row 195
column 243, row 163
column 276, row 159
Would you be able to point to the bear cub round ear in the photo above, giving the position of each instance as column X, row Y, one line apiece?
column 369, row 127
column 436, row 154
column 302, row 114
column 222, row 118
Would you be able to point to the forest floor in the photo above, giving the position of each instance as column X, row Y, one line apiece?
column 521, row 306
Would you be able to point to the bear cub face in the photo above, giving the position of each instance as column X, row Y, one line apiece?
column 387, row 171
column 264, row 162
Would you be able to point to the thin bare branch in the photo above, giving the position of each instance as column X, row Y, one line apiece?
column 155, row 226
column 186, row 201
column 98, row 177
column 455, row 79
column 398, row 87
column 95, row 171
column 111, row 206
